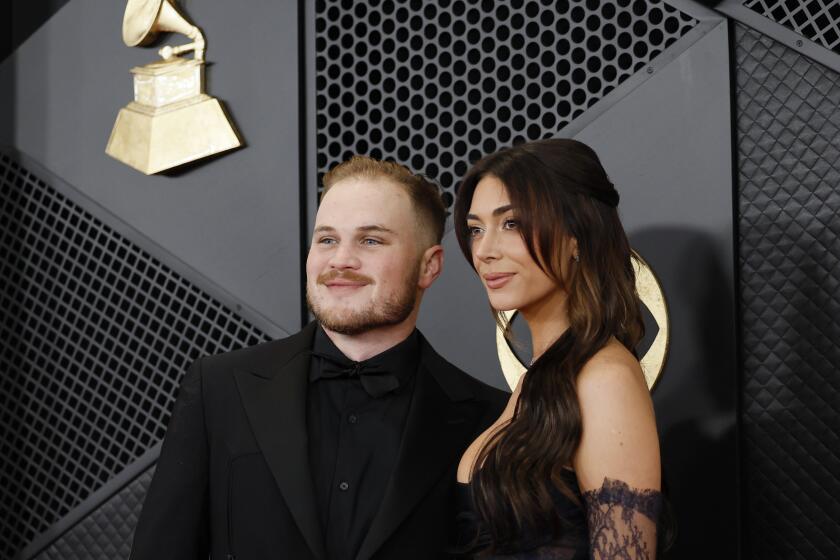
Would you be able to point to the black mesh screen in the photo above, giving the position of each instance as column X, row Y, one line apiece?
column 789, row 196
column 818, row 20
column 435, row 85
column 95, row 333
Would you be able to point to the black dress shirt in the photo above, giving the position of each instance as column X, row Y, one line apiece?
column 354, row 440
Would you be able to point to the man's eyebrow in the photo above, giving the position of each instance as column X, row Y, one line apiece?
column 375, row 228
column 364, row 229
column 497, row 212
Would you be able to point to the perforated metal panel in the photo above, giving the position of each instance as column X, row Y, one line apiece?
column 96, row 333
column 789, row 195
column 818, row 20
column 435, row 85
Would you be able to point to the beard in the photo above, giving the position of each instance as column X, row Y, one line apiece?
column 393, row 310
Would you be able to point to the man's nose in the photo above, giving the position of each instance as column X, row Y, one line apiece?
column 344, row 257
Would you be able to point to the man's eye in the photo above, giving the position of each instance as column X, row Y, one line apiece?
column 326, row 241
column 370, row 241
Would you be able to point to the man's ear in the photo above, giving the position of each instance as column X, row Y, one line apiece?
column 431, row 265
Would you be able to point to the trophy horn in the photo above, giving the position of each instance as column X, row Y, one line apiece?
column 171, row 121
column 145, row 19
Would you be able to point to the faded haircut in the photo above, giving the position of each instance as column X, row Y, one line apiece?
column 424, row 194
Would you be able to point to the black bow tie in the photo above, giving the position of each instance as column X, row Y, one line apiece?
column 375, row 379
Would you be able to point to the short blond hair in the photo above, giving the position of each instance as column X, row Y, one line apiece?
column 425, row 195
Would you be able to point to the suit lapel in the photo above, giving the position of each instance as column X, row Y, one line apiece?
column 274, row 397
column 437, row 430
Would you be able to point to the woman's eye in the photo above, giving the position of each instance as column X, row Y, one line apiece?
column 510, row 224
column 474, row 231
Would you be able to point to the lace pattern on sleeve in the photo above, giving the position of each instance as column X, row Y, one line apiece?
column 622, row 521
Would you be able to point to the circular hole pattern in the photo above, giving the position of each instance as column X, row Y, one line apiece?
column 437, row 85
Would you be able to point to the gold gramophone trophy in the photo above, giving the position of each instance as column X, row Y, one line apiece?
column 171, row 120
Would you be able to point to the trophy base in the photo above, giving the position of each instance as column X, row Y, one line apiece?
column 152, row 139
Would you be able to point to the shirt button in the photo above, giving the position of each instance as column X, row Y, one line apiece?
column 343, row 486
column 352, row 418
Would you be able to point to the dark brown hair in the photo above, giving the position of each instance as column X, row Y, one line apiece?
column 424, row 194
column 558, row 188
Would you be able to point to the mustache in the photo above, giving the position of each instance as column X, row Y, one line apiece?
column 343, row 275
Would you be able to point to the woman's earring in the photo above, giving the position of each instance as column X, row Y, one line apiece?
column 576, row 257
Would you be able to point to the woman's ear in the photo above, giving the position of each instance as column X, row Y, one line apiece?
column 569, row 256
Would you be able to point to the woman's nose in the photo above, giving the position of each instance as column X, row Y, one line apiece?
column 486, row 247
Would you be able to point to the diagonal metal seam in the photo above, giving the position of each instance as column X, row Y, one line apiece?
column 90, row 504
column 145, row 243
column 787, row 37
column 639, row 78
column 790, row 20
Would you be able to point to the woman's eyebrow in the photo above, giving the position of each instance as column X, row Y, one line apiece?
column 497, row 212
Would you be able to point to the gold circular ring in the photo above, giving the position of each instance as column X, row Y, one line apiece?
column 652, row 296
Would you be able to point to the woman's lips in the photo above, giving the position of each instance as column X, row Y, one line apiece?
column 497, row 280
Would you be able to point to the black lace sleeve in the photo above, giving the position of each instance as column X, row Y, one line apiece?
column 622, row 521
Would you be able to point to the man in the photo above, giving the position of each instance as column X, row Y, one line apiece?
column 340, row 442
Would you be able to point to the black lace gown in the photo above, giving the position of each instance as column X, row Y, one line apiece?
column 614, row 521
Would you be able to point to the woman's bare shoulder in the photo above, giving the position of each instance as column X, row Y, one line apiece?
column 619, row 438
column 612, row 368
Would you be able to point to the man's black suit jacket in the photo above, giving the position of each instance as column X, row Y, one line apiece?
column 233, row 478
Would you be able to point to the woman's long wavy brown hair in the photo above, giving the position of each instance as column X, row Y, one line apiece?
column 558, row 188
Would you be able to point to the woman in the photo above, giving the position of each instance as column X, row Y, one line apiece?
column 571, row 469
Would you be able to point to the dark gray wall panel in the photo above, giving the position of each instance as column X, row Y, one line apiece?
column 5, row 30
column 234, row 218
column 789, row 171
column 23, row 18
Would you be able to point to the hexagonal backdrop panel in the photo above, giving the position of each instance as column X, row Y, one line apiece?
column 437, row 85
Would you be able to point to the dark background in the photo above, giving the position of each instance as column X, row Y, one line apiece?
column 718, row 125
